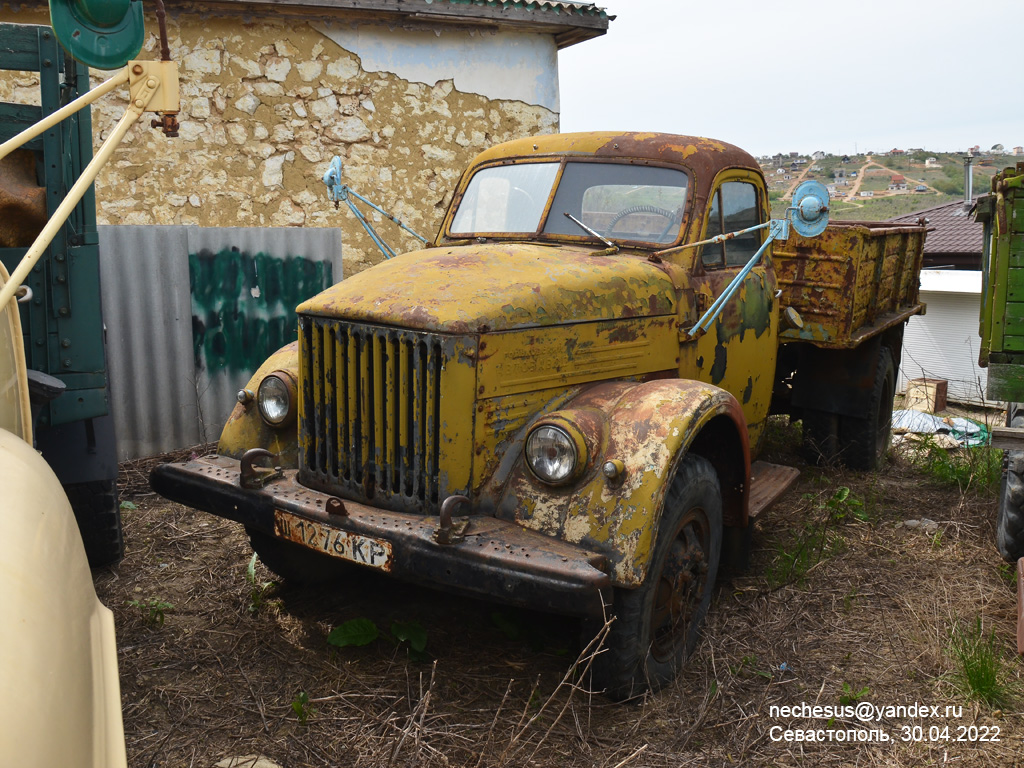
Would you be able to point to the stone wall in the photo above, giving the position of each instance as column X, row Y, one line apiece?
column 266, row 104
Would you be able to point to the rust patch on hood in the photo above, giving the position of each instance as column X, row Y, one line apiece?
column 499, row 286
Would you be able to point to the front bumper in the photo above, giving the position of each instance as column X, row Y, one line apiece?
column 498, row 559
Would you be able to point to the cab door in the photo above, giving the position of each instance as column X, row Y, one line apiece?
column 738, row 353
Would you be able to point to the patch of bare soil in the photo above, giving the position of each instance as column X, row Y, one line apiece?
column 865, row 616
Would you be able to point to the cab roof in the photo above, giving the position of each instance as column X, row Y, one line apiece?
column 702, row 155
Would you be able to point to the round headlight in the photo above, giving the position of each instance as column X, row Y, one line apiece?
column 551, row 454
column 275, row 399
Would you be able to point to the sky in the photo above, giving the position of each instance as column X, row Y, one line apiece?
column 794, row 75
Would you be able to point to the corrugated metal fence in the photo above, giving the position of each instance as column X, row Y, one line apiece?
column 191, row 313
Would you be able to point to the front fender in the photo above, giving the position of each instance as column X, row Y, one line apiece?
column 245, row 428
column 649, row 427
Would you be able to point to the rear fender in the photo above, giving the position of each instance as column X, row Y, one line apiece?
column 648, row 427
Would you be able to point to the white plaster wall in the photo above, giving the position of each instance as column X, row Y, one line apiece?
column 497, row 65
column 944, row 343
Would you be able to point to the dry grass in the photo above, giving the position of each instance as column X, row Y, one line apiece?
column 876, row 612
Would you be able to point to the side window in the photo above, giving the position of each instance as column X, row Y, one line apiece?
column 739, row 205
column 733, row 207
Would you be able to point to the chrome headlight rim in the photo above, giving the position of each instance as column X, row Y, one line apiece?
column 277, row 408
column 571, row 443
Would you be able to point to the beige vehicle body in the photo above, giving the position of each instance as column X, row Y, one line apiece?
column 60, row 702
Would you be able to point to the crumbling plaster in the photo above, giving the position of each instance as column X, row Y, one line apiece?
column 267, row 103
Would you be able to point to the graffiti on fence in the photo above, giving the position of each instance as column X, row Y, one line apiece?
column 243, row 305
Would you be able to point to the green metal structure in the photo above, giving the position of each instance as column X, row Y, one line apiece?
column 1002, row 303
column 62, row 320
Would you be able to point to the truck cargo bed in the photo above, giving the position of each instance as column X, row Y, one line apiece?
column 851, row 282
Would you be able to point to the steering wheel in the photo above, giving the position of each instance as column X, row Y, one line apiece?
column 638, row 209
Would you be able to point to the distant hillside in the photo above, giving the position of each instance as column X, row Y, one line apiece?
column 865, row 188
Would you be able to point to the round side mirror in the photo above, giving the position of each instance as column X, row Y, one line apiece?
column 810, row 209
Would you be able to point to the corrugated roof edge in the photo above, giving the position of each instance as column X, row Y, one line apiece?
column 569, row 22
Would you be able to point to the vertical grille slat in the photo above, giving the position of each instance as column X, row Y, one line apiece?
column 372, row 411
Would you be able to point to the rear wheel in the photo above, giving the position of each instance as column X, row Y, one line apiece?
column 292, row 562
column 657, row 625
column 99, row 520
column 864, row 442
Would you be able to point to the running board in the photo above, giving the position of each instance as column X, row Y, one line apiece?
column 767, row 483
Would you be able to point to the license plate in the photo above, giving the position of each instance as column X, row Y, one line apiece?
column 365, row 550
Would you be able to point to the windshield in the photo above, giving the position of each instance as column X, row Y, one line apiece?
column 619, row 201
column 507, row 199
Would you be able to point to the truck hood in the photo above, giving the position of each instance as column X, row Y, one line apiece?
column 497, row 287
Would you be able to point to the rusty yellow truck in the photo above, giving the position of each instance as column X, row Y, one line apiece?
column 558, row 403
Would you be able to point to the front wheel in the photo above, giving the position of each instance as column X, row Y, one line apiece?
column 657, row 625
column 294, row 563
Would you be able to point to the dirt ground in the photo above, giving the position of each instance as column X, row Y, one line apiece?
column 844, row 604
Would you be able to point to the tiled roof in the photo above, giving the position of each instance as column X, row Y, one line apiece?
column 955, row 230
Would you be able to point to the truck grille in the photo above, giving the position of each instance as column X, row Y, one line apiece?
column 369, row 425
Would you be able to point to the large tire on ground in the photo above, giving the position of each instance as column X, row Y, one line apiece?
column 657, row 625
column 99, row 520
column 864, row 441
column 1010, row 516
column 820, row 436
column 294, row 563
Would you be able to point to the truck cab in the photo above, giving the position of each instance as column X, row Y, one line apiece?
column 527, row 409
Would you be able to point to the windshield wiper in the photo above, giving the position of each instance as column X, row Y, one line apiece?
column 612, row 247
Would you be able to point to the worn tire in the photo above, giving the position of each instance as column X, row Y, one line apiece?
column 648, row 642
column 820, row 436
column 99, row 520
column 1010, row 514
column 864, row 442
column 294, row 563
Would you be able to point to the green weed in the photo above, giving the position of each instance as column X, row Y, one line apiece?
column 980, row 663
column 817, row 540
column 979, row 468
column 128, row 505
column 749, row 666
column 851, row 695
column 362, row 631
column 257, row 589
column 301, row 707
column 153, row 610
column 1008, row 574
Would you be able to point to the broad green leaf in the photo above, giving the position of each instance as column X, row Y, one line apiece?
column 355, row 632
column 412, row 631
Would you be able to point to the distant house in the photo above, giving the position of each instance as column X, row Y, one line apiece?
column 867, row 194
column 779, row 158
column 794, row 155
column 839, row 173
column 846, row 158
column 920, row 188
column 944, row 343
column 793, row 166
column 819, row 155
column 1018, row 151
column 932, row 162
column 853, row 174
column 896, row 152
column 779, row 171
column 897, row 182
column 787, row 177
